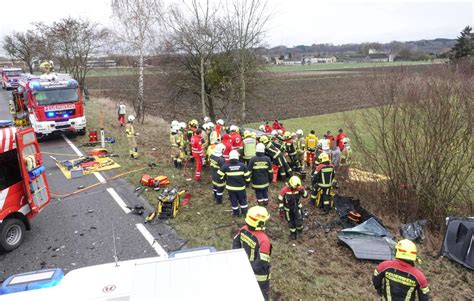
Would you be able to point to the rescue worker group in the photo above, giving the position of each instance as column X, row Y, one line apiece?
column 241, row 158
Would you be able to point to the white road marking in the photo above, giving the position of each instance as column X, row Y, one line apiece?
column 152, row 241
column 118, row 199
column 79, row 153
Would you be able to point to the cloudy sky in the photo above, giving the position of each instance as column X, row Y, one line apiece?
column 294, row 22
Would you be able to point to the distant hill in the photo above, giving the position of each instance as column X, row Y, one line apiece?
column 435, row 47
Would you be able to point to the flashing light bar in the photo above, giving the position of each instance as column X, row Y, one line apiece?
column 51, row 114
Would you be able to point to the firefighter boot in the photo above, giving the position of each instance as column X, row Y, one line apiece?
column 293, row 235
column 243, row 211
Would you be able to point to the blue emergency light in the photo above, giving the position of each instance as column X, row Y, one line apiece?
column 66, row 115
column 50, row 114
column 31, row 281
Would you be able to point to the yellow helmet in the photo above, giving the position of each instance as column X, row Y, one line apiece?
column 193, row 123
column 294, row 182
column 264, row 139
column 256, row 217
column 406, row 250
column 323, row 157
column 247, row 134
column 253, row 135
column 287, row 135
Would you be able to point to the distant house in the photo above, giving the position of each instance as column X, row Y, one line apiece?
column 371, row 57
column 356, row 58
column 329, row 59
column 377, row 57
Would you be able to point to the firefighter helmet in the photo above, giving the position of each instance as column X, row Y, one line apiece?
column 256, row 217
column 182, row 125
column 193, row 123
column 299, row 132
column 323, row 158
column 406, row 250
column 260, row 148
column 262, row 128
column 287, row 135
column 131, row 118
column 280, row 132
column 218, row 150
column 274, row 133
column 264, row 139
column 294, row 182
column 206, row 119
column 253, row 135
column 234, row 155
column 247, row 134
column 220, row 121
column 174, row 123
column 211, row 125
column 233, row 128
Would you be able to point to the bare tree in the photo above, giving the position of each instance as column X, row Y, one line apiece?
column 136, row 30
column 71, row 42
column 195, row 34
column 21, row 46
column 247, row 21
column 420, row 137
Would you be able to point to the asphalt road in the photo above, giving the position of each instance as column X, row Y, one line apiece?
column 78, row 231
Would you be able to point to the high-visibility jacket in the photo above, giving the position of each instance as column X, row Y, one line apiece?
column 216, row 165
column 323, row 175
column 237, row 142
column 279, row 144
column 300, row 145
column 272, row 151
column 260, row 168
column 129, row 130
column 235, row 174
column 289, row 198
column 250, row 146
column 175, row 140
column 258, row 248
column 290, row 148
column 311, row 142
column 205, row 141
column 398, row 280
column 196, row 146
column 214, row 137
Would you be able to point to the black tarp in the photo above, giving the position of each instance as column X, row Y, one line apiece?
column 343, row 205
column 458, row 242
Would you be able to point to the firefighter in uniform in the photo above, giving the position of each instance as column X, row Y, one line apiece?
column 279, row 162
column 176, row 144
column 197, row 152
column 217, row 161
column 290, row 206
column 249, row 146
column 261, row 174
column 300, row 147
column 399, row 279
column 322, row 182
column 253, row 239
column 237, row 177
column 291, row 151
column 311, row 145
column 131, row 137
column 192, row 126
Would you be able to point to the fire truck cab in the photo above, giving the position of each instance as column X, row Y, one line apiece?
column 50, row 103
column 24, row 190
column 10, row 77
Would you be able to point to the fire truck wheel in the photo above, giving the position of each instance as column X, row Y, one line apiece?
column 81, row 132
column 12, row 234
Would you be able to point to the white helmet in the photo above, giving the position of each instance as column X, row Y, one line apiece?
column 234, row 155
column 220, row 121
column 205, row 126
column 211, row 125
column 174, row 129
column 260, row 148
column 207, row 119
column 262, row 128
column 218, row 150
column 233, row 128
column 299, row 132
column 274, row 133
column 174, row 123
column 182, row 125
column 131, row 118
column 280, row 132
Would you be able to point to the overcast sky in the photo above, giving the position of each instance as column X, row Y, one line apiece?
column 295, row 22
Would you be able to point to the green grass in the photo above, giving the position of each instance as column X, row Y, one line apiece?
column 117, row 71
column 341, row 66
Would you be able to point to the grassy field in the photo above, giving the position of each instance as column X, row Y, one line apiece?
column 342, row 66
column 315, row 268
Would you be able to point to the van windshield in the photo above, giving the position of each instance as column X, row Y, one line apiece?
column 50, row 97
column 12, row 73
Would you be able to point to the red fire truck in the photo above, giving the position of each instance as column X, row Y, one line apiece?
column 24, row 190
column 50, row 103
column 10, row 77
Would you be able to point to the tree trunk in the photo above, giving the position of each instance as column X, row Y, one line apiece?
column 243, row 94
column 30, row 67
column 203, row 90
column 140, row 113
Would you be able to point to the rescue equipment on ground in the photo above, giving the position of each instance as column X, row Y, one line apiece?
column 154, row 182
column 167, row 206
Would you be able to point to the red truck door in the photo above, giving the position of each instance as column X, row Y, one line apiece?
column 32, row 170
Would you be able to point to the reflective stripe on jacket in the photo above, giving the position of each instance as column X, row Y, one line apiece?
column 260, row 168
column 235, row 174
